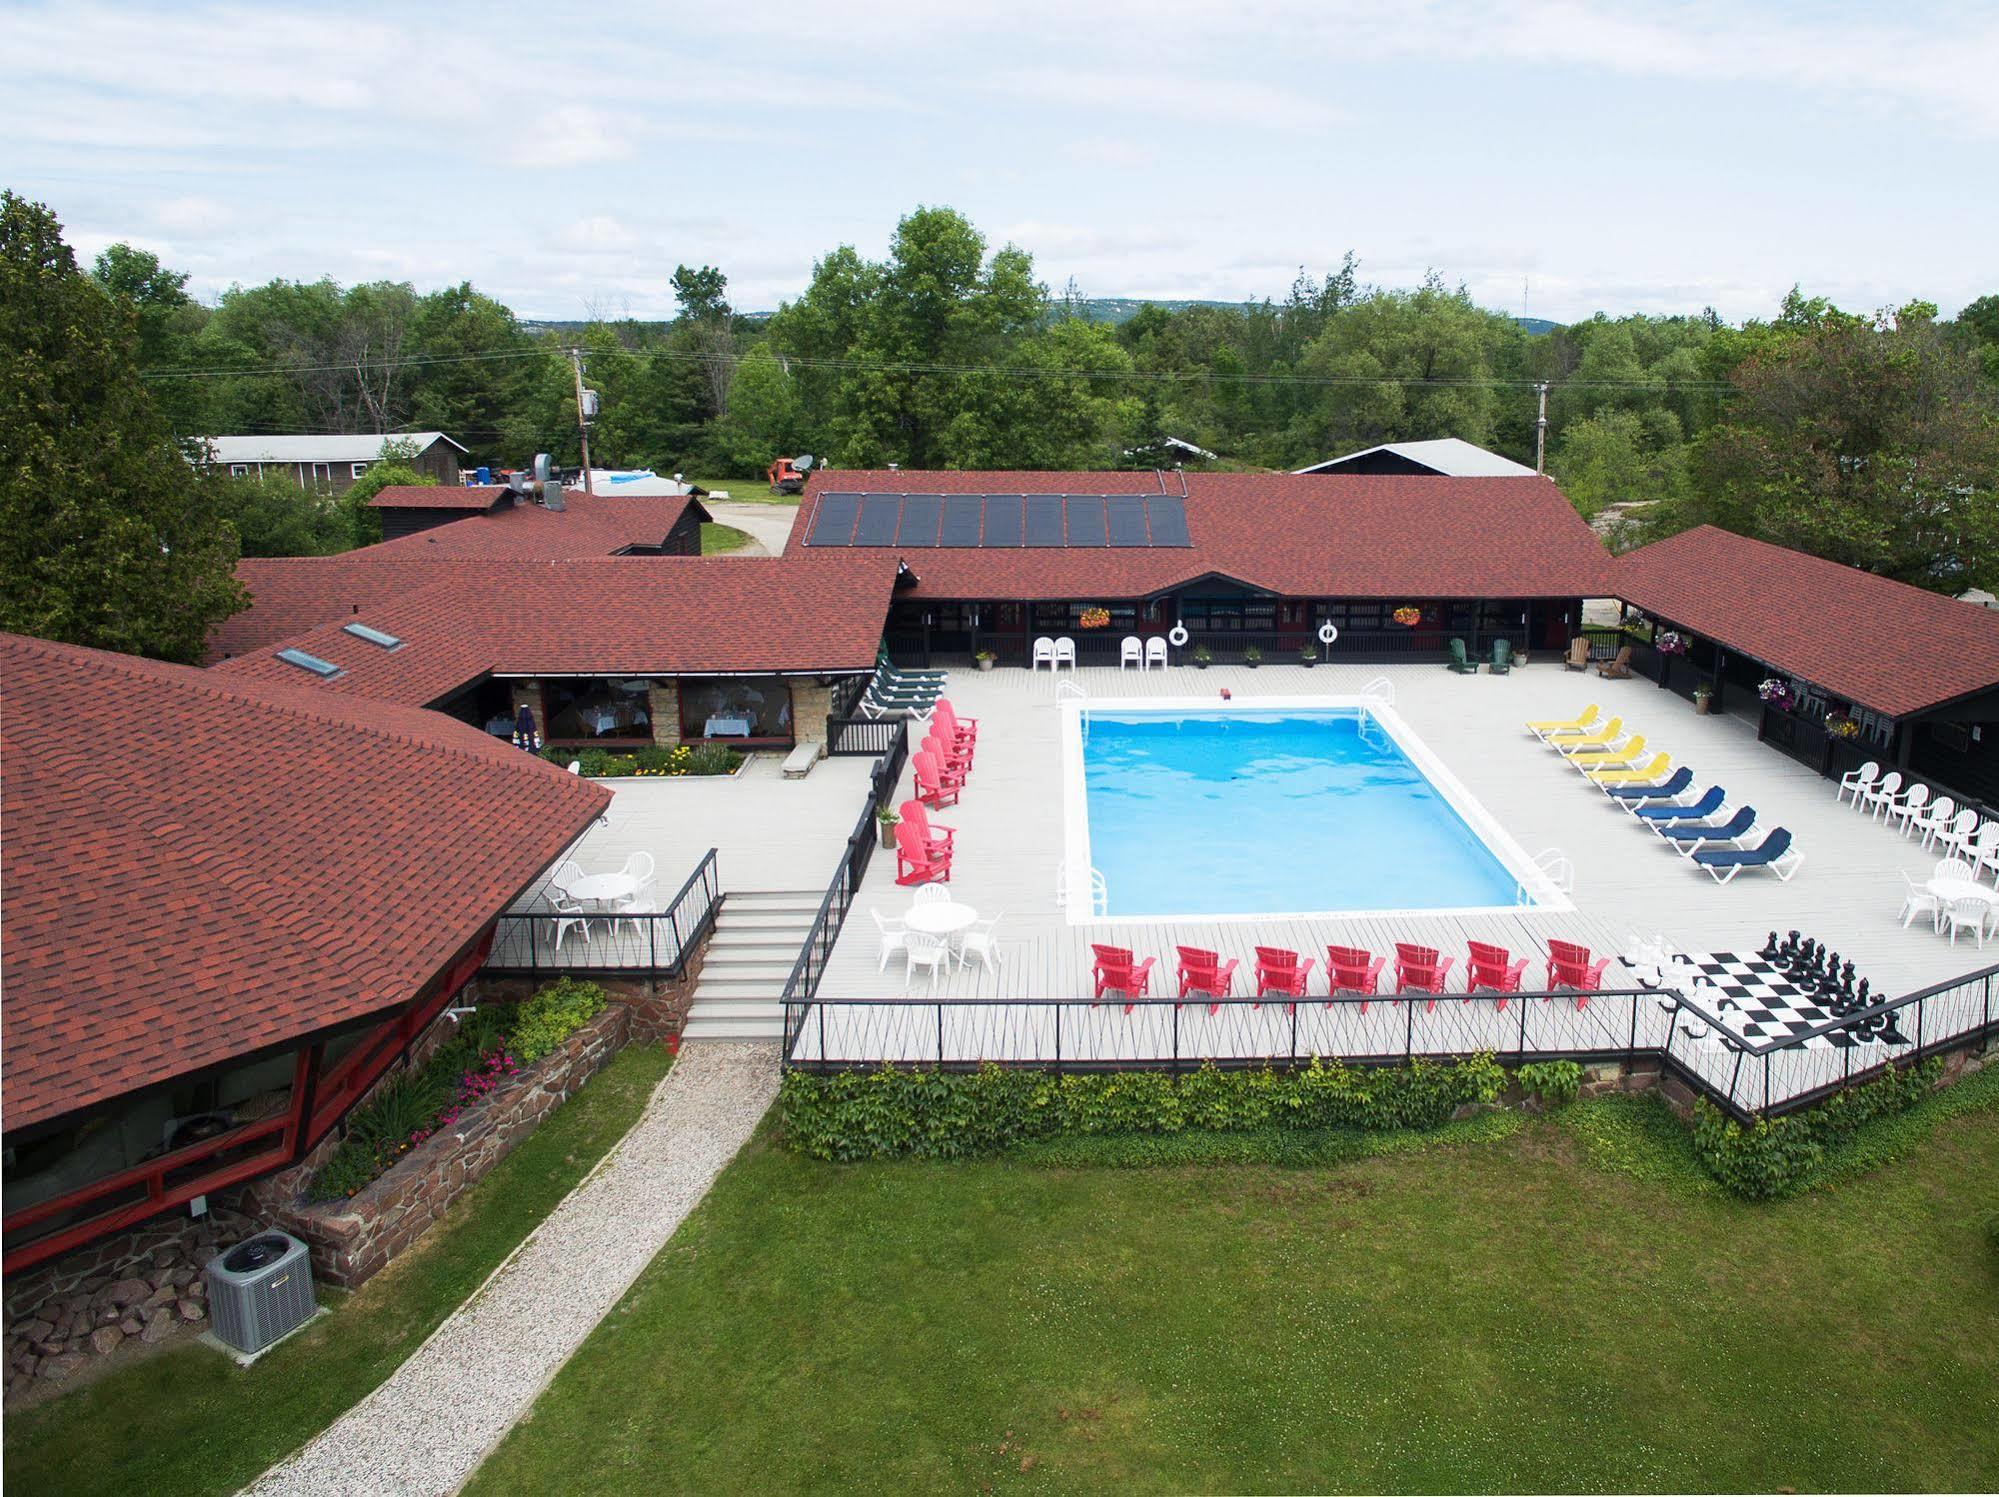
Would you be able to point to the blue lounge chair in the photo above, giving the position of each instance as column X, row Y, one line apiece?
column 1630, row 797
column 1709, row 803
column 1691, row 834
column 1773, row 852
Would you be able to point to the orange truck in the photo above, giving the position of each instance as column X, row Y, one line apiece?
column 787, row 475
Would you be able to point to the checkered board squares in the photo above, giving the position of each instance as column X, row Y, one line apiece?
column 1761, row 1002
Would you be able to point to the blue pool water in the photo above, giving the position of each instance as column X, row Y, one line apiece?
column 1266, row 813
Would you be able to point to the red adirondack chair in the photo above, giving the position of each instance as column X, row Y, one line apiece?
column 964, row 730
column 916, row 860
column 937, row 838
column 1205, row 972
column 1569, row 966
column 1351, row 970
column 951, row 760
column 1419, row 969
column 1492, row 967
column 934, row 786
column 1279, row 973
column 1116, row 972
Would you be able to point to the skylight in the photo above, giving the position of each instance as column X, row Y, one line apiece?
column 373, row 636
column 307, row 662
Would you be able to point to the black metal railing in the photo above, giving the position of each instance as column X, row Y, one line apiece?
column 1101, row 648
column 633, row 943
column 855, row 736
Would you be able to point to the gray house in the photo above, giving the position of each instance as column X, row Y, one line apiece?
column 330, row 463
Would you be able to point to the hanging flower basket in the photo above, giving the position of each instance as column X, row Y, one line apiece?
column 1840, row 725
column 1672, row 643
column 1778, row 694
column 1407, row 617
column 1094, row 618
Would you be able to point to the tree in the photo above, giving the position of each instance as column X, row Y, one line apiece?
column 764, row 417
column 108, row 535
column 1874, row 444
column 168, row 321
column 360, row 520
column 707, row 329
column 273, row 516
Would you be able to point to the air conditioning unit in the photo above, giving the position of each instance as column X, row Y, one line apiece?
column 260, row 1290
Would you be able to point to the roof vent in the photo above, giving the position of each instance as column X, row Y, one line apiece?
column 305, row 662
column 373, row 636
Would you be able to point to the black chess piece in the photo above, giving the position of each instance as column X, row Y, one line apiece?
column 1789, row 949
column 1770, row 948
column 1862, row 995
column 1846, row 979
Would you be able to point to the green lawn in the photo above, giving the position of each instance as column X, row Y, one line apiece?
column 190, row 1421
column 754, row 489
column 716, row 539
column 1544, row 1304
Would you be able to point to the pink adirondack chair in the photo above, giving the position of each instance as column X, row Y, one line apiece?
column 1280, row 974
column 1205, row 972
column 937, row 840
column 918, row 861
column 1492, row 967
column 963, row 730
column 1420, row 969
column 1117, row 972
column 935, row 786
column 951, row 760
column 1352, row 970
column 1569, row 966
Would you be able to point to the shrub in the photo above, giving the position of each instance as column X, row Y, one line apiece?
column 552, row 1015
column 930, row 1114
column 1776, row 1157
column 1555, row 1082
column 649, row 763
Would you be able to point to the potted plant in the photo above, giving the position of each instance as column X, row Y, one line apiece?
column 1252, row 656
column 984, row 659
column 1671, row 643
column 1201, row 656
column 886, row 818
column 1703, row 699
column 1777, row 692
column 1307, row 654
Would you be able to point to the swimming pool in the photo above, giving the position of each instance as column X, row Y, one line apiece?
column 1272, row 808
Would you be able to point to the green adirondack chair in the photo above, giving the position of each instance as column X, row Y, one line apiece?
column 1502, row 657
column 1459, row 663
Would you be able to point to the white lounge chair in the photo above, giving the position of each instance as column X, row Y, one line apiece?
column 978, row 939
column 1911, row 805
column 1044, row 651
column 894, row 935
column 1882, row 794
column 1065, row 653
column 920, row 949
column 1857, row 782
column 1130, row 653
column 1155, row 652
column 1917, row 900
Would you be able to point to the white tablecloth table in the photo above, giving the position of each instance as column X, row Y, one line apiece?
column 726, row 727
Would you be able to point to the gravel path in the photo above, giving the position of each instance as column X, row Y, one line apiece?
column 769, row 524
column 427, row 1428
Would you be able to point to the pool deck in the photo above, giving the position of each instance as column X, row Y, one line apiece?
column 1630, row 886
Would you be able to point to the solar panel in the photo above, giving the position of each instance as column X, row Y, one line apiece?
column 1002, row 520
column 879, row 516
column 1044, row 519
column 961, row 519
column 1086, row 519
column 833, row 525
column 920, row 513
column 1126, row 513
column 1167, row 515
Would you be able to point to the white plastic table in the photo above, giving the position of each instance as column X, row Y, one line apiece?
column 604, row 888
column 940, row 918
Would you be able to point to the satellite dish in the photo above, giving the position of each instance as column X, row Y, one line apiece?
column 803, row 462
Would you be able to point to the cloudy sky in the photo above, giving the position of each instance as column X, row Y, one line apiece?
column 1557, row 156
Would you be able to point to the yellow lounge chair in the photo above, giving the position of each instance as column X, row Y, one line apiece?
column 1617, row 758
column 1579, row 723
column 1660, row 764
column 1603, row 735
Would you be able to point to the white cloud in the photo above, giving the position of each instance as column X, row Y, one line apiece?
column 1257, row 103
column 194, row 217
column 569, row 135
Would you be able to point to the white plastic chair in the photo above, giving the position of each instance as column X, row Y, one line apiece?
column 1881, row 794
column 1044, row 650
column 1911, row 805
column 1935, row 819
column 1967, row 913
column 1918, row 900
column 922, row 950
column 894, row 934
column 572, row 912
column 1857, row 782
column 1065, row 653
column 1984, row 851
column 978, row 937
column 1948, row 869
column 640, row 865
column 931, row 894
column 1955, row 839
column 567, row 872
column 1130, row 653
column 1155, row 652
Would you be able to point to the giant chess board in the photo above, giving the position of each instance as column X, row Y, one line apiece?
column 1761, row 1001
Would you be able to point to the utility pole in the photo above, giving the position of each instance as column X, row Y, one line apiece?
column 583, row 415
column 1540, row 428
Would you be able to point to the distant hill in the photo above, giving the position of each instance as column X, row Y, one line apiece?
column 1111, row 309
column 1535, row 326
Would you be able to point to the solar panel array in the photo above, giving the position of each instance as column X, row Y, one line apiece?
column 1000, row 521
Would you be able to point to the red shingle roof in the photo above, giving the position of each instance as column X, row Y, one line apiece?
column 472, row 496
column 1882, row 644
column 609, row 616
column 291, row 594
column 196, row 867
column 1301, row 535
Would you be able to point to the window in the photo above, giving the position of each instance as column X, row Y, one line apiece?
column 736, row 707
column 322, row 474
column 239, row 470
column 357, row 469
column 373, row 636
column 597, row 710
column 305, row 662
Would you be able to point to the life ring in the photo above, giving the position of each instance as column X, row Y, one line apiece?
column 1328, row 632
column 1177, row 636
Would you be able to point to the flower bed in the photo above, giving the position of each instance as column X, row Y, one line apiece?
column 663, row 763
column 491, row 1046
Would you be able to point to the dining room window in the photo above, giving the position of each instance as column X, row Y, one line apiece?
column 736, row 707
column 592, row 711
